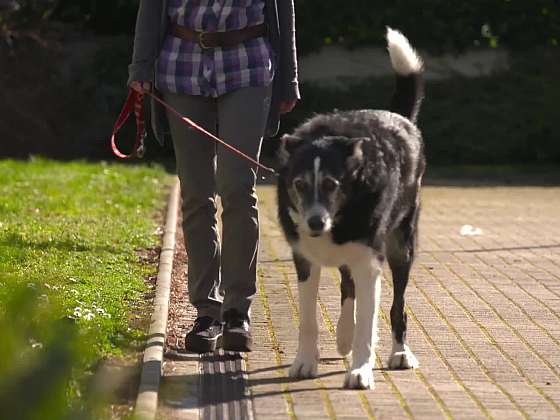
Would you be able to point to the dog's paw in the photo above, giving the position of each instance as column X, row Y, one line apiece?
column 360, row 378
column 305, row 365
column 403, row 359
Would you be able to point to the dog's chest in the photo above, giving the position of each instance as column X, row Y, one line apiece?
column 324, row 252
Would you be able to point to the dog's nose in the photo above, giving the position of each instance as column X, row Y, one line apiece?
column 316, row 223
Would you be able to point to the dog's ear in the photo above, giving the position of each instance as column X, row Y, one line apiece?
column 288, row 144
column 355, row 153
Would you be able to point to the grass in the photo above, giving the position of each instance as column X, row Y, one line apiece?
column 74, row 232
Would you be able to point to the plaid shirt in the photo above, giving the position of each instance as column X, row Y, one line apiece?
column 183, row 67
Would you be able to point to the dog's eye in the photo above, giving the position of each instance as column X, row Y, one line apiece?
column 329, row 185
column 300, row 185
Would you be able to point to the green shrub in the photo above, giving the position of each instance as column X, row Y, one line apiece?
column 436, row 25
column 102, row 17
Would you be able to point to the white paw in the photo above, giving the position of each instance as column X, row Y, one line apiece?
column 305, row 365
column 403, row 359
column 361, row 378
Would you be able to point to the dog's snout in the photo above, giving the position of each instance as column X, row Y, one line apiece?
column 316, row 223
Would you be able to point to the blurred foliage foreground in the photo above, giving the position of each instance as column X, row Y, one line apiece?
column 43, row 361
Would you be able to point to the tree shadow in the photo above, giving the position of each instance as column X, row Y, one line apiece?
column 14, row 240
column 219, row 384
column 213, row 389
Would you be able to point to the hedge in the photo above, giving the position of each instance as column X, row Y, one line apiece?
column 436, row 25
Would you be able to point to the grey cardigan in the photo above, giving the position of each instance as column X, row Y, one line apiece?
column 151, row 29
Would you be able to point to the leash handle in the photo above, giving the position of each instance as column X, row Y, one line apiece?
column 134, row 103
column 197, row 127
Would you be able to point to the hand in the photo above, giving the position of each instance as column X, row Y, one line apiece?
column 287, row 106
column 141, row 86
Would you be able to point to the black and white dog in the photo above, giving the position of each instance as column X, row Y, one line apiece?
column 348, row 196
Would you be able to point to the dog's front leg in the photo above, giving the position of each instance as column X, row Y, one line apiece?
column 307, row 358
column 366, row 274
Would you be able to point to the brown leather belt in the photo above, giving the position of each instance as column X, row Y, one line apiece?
column 218, row 39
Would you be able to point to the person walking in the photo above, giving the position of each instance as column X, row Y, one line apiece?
column 230, row 66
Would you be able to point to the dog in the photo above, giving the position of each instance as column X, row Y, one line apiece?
column 349, row 197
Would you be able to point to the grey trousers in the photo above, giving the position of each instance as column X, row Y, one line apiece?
column 220, row 276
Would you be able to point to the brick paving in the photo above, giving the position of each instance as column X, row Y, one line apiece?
column 484, row 322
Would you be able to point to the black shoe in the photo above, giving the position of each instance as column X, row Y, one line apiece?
column 237, row 336
column 205, row 336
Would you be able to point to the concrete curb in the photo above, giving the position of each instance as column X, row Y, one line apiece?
column 147, row 400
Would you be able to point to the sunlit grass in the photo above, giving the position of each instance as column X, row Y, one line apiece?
column 73, row 232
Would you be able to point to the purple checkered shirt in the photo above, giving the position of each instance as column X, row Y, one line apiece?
column 183, row 67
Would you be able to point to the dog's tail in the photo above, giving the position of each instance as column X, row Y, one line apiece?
column 409, row 70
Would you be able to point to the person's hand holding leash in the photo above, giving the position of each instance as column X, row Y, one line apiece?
column 287, row 106
column 141, row 86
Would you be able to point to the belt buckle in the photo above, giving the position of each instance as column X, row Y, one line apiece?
column 201, row 43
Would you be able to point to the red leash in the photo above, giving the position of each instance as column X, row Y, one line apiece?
column 133, row 103
column 135, row 100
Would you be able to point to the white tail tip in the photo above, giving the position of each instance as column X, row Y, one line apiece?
column 404, row 59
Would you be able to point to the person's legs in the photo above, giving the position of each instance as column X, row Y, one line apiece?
column 195, row 156
column 242, row 117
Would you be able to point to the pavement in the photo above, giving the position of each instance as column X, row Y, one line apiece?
column 484, row 323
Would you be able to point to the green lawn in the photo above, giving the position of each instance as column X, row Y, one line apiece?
column 74, row 232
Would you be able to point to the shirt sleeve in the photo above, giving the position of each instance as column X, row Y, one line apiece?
column 146, row 41
column 288, row 70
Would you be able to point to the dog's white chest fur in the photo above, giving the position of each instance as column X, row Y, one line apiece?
column 324, row 252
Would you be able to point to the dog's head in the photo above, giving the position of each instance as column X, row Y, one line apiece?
column 318, row 175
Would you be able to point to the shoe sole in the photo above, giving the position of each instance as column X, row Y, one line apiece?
column 237, row 342
column 199, row 345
